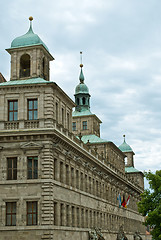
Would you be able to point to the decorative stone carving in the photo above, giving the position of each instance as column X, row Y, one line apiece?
column 31, row 146
column 137, row 236
column 57, row 146
column 121, row 235
column 96, row 234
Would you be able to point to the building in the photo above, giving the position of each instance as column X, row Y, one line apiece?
column 58, row 178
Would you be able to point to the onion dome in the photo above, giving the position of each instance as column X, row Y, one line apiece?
column 28, row 39
column 124, row 147
column 81, row 87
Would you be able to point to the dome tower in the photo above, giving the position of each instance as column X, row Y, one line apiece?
column 82, row 96
column 30, row 56
column 127, row 150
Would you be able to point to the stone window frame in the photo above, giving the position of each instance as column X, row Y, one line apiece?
column 33, row 168
column 74, row 126
column 11, row 213
column 33, row 213
column 14, row 111
column 12, row 168
column 84, row 125
column 33, row 109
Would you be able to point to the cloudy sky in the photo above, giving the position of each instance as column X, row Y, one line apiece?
column 121, row 44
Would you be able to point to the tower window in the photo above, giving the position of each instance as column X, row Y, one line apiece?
column 25, row 65
column 74, row 126
column 84, row 100
column 84, row 125
column 44, row 68
column 77, row 101
column 12, row 110
column 32, row 109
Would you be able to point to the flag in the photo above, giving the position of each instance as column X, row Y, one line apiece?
column 123, row 203
column 119, row 199
column 127, row 201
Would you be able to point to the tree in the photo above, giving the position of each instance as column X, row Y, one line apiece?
column 150, row 205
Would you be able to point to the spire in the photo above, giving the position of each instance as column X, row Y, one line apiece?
column 30, row 29
column 124, row 137
column 81, row 76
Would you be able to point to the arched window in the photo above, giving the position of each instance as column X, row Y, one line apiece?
column 44, row 68
column 84, row 100
column 25, row 65
column 77, row 101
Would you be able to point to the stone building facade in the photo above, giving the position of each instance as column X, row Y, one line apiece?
column 57, row 182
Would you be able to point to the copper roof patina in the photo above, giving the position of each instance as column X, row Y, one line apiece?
column 23, row 82
column 92, row 139
column 131, row 170
column 28, row 39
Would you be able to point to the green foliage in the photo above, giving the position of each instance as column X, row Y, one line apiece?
column 150, row 205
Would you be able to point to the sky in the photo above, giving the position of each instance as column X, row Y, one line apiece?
column 121, row 45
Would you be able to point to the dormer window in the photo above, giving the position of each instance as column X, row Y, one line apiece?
column 24, row 66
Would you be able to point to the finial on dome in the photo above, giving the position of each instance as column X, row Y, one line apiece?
column 81, row 65
column 124, row 137
column 30, row 29
column 30, row 18
column 81, row 77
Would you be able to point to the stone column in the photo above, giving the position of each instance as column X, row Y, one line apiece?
column 57, row 214
column 70, row 216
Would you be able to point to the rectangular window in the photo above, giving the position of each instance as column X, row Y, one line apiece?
column 31, row 213
column 32, row 109
column 84, row 125
column 74, row 126
column 12, row 110
column 10, row 213
column 12, row 168
column 32, row 167
column 63, row 116
column 57, row 111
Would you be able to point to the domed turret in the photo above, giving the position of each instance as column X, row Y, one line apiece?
column 127, row 150
column 82, row 96
column 124, row 147
column 81, row 87
column 28, row 39
column 30, row 57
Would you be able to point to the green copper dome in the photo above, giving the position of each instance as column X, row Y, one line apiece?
column 124, row 147
column 81, row 88
column 28, row 39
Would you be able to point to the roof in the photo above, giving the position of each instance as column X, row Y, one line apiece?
column 81, row 88
column 82, row 113
column 92, row 139
column 28, row 39
column 22, row 82
column 124, row 147
column 2, row 79
column 131, row 170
